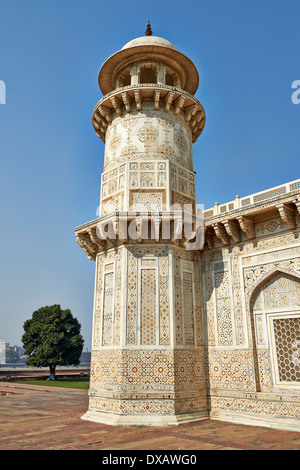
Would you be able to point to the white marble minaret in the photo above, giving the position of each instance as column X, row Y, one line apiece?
column 147, row 349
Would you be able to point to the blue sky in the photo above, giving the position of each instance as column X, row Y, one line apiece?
column 247, row 54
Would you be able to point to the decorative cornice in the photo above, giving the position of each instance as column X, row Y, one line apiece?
column 290, row 198
column 287, row 213
column 229, row 226
column 112, row 230
column 173, row 100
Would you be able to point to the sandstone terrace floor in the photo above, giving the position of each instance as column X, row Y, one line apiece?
column 43, row 418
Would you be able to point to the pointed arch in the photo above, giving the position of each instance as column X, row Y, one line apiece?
column 267, row 346
column 266, row 278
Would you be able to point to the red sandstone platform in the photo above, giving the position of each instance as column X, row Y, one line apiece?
column 47, row 418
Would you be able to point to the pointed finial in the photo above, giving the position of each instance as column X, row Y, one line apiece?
column 148, row 30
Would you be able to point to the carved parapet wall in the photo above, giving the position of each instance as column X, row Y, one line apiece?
column 242, row 222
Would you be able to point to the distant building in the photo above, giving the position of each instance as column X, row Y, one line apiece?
column 2, row 352
column 85, row 357
column 13, row 354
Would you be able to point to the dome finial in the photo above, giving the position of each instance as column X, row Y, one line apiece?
column 148, row 30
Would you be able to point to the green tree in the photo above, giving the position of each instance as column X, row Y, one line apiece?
column 52, row 338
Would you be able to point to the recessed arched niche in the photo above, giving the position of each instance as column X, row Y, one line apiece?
column 171, row 78
column 275, row 306
column 148, row 73
column 125, row 78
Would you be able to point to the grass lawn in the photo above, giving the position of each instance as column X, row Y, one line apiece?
column 69, row 382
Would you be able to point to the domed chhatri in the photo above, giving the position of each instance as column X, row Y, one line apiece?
column 147, row 49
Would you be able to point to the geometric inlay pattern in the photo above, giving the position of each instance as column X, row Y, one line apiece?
column 115, row 141
column 108, row 295
column 231, row 370
column 154, row 300
column 152, row 381
column 147, row 202
column 181, row 141
column 223, row 308
column 287, row 341
column 147, row 134
column 132, row 299
column 281, row 291
column 164, row 320
column 148, row 307
column 101, row 303
column 188, row 308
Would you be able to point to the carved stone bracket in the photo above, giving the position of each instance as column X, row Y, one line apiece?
column 297, row 204
column 179, row 104
column 124, row 228
column 95, row 239
column 221, row 233
column 168, row 101
column 117, row 105
column 105, row 113
column 190, row 112
column 88, row 247
column 174, row 101
column 127, row 101
column 138, row 99
column 247, row 227
column 233, row 229
column 287, row 214
column 156, row 99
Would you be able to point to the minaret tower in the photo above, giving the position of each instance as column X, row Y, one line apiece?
column 147, row 365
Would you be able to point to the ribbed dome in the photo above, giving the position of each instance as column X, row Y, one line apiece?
column 149, row 41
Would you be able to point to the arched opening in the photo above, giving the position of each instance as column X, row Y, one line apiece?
column 125, row 78
column 169, row 79
column 148, row 74
column 275, row 308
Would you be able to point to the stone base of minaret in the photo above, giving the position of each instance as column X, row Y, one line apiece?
column 148, row 358
column 141, row 419
column 147, row 387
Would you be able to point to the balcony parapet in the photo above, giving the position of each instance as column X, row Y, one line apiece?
column 179, row 228
column 249, row 203
column 229, row 225
column 131, row 97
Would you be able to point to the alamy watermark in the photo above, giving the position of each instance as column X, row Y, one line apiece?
column 2, row 92
column 296, row 94
column 180, row 224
